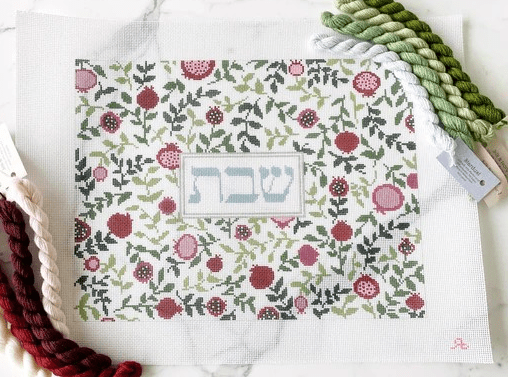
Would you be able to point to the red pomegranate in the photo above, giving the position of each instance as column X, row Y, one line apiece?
column 301, row 304
column 307, row 118
column 342, row 231
column 412, row 181
column 216, row 306
column 197, row 69
column 410, row 123
column 186, row 247
column 167, row 206
column 214, row 116
column 415, row 302
column 214, row 264
column 261, row 277
column 387, row 198
column 268, row 313
column 81, row 230
column 366, row 287
column 169, row 157
column 85, row 80
column 296, row 68
column 347, row 141
column 308, row 255
column 243, row 232
column 167, row 308
column 92, row 264
column 147, row 98
column 120, row 225
column 366, row 83
column 110, row 122
column 338, row 187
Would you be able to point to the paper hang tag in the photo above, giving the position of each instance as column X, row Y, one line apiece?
column 10, row 162
column 501, row 190
column 469, row 171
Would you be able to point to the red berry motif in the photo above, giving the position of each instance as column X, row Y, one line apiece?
column 81, row 230
column 92, row 264
column 100, row 173
column 366, row 83
column 214, row 116
column 167, row 206
column 268, row 313
column 143, row 272
column 216, row 306
column 410, row 123
column 415, row 302
column 214, row 264
column 366, row 287
column 169, row 157
column 347, row 141
column 296, row 68
column 261, row 277
column 308, row 255
column 242, row 232
column 342, row 231
column 406, row 247
column 110, row 122
column 167, row 308
column 147, row 98
column 301, row 304
column 307, row 118
column 338, row 187
column 387, row 198
column 85, row 80
column 186, row 247
column 197, row 69
column 120, row 225
column 412, row 181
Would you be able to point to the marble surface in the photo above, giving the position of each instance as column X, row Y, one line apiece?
column 486, row 31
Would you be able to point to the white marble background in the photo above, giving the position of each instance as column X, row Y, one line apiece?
column 485, row 36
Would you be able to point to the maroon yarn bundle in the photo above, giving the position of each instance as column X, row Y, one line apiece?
column 30, row 324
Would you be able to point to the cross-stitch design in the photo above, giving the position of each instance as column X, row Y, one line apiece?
column 354, row 254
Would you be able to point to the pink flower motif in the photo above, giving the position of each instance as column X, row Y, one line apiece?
column 110, row 122
column 366, row 287
column 167, row 206
column 92, row 264
column 366, row 83
column 143, row 272
column 307, row 118
column 282, row 222
column 86, row 79
column 296, row 68
column 308, row 255
column 242, row 232
column 100, row 173
column 186, row 247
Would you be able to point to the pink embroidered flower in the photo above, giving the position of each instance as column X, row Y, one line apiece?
column 282, row 222
column 387, row 197
column 366, row 83
column 214, row 264
column 308, row 255
column 85, row 80
column 412, row 181
column 197, row 69
column 147, row 98
column 169, row 157
column 81, row 230
column 214, row 116
column 347, row 141
column 301, row 304
column 167, row 206
column 167, row 308
column 406, row 247
column 143, row 272
column 186, row 247
column 366, row 287
column 415, row 302
column 338, row 187
column 261, row 277
column 307, row 118
column 409, row 122
column 296, row 68
column 120, row 225
column 110, row 122
column 216, row 306
column 100, row 173
column 268, row 313
column 342, row 231
column 242, row 232
column 92, row 264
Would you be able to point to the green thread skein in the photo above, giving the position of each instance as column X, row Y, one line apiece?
column 479, row 103
column 447, row 112
column 482, row 130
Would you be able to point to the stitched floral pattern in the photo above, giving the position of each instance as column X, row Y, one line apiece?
column 354, row 254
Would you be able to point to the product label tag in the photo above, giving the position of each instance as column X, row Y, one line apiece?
column 501, row 190
column 469, row 171
column 10, row 162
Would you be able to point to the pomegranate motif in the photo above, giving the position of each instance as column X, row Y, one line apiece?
column 338, row 187
column 347, row 141
column 366, row 287
column 410, row 123
column 81, row 230
column 147, row 98
column 307, row 118
column 167, row 308
column 92, row 264
column 214, row 116
column 366, row 83
column 216, row 306
column 308, row 255
column 167, row 206
column 296, row 68
column 342, row 231
column 268, row 313
column 387, row 198
column 242, row 232
column 214, row 264
column 143, row 272
column 406, row 247
column 169, row 157
column 412, row 181
column 100, row 173
column 261, row 277
column 282, row 222
column 301, row 304
column 186, row 247
column 120, row 225
column 110, row 122
column 197, row 69
column 86, row 79
column 415, row 302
